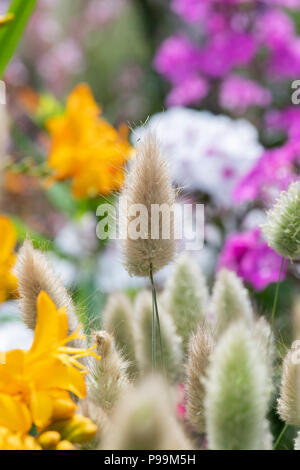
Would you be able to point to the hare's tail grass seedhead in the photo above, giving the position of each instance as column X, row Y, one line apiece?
column 186, row 296
column 201, row 346
column 289, row 397
column 237, row 392
column 147, row 183
column 145, row 419
column 118, row 320
column 35, row 274
column 282, row 227
column 108, row 378
column 147, row 186
column 230, row 301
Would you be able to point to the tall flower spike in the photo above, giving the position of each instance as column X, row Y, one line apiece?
column 144, row 419
column 172, row 351
column 118, row 321
column 108, row 378
column 236, row 399
column 201, row 346
column 230, row 301
column 35, row 275
column 282, row 227
column 289, row 398
column 186, row 296
column 147, row 183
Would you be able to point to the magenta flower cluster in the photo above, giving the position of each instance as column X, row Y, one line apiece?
column 249, row 256
column 236, row 46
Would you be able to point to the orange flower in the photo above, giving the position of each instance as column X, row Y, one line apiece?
column 8, row 239
column 86, row 148
column 34, row 385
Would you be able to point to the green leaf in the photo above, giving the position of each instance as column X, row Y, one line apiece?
column 11, row 33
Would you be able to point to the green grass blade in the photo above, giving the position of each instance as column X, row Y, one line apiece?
column 11, row 33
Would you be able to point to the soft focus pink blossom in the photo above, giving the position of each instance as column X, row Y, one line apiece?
column 238, row 94
column 177, row 58
column 191, row 91
column 249, row 256
column 273, row 173
column 287, row 120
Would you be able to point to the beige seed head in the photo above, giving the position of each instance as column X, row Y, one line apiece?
column 289, row 398
column 108, row 378
column 35, row 274
column 201, row 346
column 118, row 321
column 147, row 183
column 145, row 419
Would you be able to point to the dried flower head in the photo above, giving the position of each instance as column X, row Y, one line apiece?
column 230, row 301
column 186, row 296
column 289, row 397
column 201, row 346
column 171, row 342
column 35, row 275
column 236, row 399
column 108, row 378
column 118, row 320
column 147, row 184
column 144, row 419
column 282, row 227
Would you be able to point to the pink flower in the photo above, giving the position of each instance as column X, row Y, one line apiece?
column 249, row 256
column 191, row 91
column 225, row 51
column 238, row 94
column 273, row 172
column 287, row 120
column 177, row 58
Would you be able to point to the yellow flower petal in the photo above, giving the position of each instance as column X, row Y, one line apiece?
column 14, row 414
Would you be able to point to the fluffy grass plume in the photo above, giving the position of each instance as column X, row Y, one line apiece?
column 289, row 398
column 148, row 182
column 230, row 301
column 145, row 419
column 265, row 343
column 35, row 274
column 201, row 346
column 282, row 227
column 118, row 320
column 171, row 342
column 236, row 399
column 108, row 378
column 186, row 296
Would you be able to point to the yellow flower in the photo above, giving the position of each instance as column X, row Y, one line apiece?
column 34, row 385
column 86, row 148
column 8, row 239
column 16, row 441
column 78, row 429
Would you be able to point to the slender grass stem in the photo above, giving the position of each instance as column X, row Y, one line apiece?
column 280, row 436
column 155, row 319
column 276, row 294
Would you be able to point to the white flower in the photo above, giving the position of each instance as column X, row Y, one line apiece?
column 206, row 152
